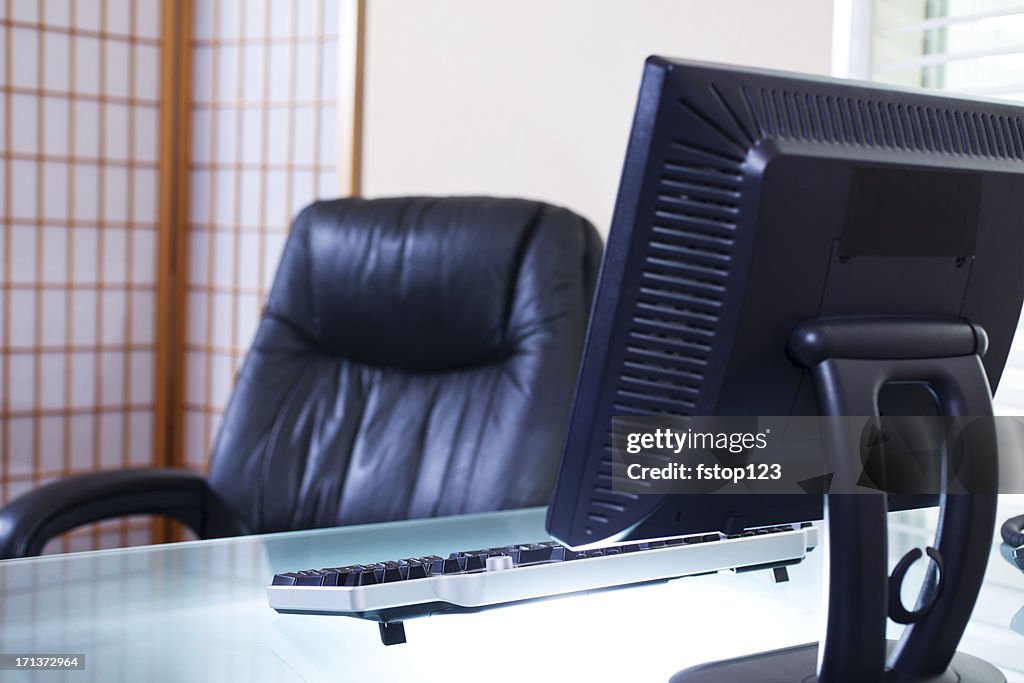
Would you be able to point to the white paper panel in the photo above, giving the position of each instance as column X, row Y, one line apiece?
column 147, row 18
column 57, row 12
column 83, row 321
column 25, row 58
column 119, row 16
column 141, row 441
column 87, row 14
column 146, row 195
column 54, row 191
column 87, row 65
column 21, row 396
column 51, row 442
column 55, row 66
column 55, row 246
column 54, row 328
column 25, row 120
column 147, row 73
column 22, row 333
column 55, row 127
column 142, row 334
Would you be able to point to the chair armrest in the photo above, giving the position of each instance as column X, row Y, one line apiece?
column 30, row 520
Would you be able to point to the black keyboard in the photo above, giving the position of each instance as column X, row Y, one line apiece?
column 391, row 591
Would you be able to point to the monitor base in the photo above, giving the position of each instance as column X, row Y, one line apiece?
column 798, row 665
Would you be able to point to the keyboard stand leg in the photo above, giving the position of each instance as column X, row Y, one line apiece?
column 780, row 574
column 393, row 633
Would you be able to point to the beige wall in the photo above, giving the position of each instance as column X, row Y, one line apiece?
column 534, row 98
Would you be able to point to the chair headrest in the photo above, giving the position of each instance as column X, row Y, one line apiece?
column 414, row 282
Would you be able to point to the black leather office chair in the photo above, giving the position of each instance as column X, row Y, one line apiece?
column 416, row 358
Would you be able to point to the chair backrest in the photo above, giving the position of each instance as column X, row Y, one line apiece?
column 416, row 357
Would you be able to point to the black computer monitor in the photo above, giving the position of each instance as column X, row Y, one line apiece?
column 752, row 202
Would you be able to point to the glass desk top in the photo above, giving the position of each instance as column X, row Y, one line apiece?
column 198, row 611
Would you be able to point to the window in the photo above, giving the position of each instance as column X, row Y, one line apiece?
column 973, row 47
column 970, row 46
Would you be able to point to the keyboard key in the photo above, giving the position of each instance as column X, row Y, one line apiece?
column 370, row 574
column 476, row 561
column 329, row 577
column 454, row 565
column 378, row 571
column 353, row 578
column 534, row 553
column 392, row 572
column 310, row 577
column 285, row 579
column 445, row 566
column 416, row 569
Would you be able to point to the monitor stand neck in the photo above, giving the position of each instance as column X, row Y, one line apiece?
column 850, row 360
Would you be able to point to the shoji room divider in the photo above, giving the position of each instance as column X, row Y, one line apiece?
column 153, row 154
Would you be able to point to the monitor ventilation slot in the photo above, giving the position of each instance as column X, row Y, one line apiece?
column 703, row 306
column 703, row 254
column 603, row 491
column 647, row 307
column 877, row 123
column 714, row 242
column 675, row 264
column 667, row 358
column 668, row 325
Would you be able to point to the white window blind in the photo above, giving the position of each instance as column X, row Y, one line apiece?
column 973, row 47
column 970, row 46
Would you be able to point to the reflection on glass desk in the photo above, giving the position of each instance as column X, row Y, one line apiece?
column 198, row 611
